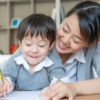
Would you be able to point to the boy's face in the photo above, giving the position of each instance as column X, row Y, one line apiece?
column 34, row 49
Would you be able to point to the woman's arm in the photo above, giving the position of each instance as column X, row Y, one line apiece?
column 70, row 90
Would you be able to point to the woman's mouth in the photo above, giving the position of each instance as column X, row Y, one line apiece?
column 61, row 45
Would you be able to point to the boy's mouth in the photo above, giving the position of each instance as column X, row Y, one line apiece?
column 34, row 56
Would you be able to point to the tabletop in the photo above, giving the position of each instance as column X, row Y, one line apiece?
column 86, row 97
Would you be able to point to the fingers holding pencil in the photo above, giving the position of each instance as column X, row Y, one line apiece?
column 7, row 84
column 2, row 89
column 2, row 83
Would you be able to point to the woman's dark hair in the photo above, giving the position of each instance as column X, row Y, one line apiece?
column 88, row 13
column 37, row 24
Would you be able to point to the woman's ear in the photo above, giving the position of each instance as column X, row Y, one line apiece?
column 51, row 46
column 90, row 44
column 87, row 46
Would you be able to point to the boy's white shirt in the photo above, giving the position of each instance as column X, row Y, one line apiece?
column 44, row 63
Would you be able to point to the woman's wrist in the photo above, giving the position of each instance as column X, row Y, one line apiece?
column 77, row 87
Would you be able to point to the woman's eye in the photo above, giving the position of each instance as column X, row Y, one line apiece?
column 64, row 30
column 75, row 41
column 28, row 44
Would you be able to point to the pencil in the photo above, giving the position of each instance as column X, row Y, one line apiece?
column 2, row 81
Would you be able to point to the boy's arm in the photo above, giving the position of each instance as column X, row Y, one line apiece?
column 10, row 71
column 5, row 67
column 57, row 71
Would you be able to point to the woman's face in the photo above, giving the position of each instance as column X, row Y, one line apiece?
column 69, row 39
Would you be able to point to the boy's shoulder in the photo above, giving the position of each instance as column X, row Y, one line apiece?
column 56, row 61
column 52, row 57
column 57, row 64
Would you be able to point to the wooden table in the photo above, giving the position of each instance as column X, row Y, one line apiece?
column 86, row 97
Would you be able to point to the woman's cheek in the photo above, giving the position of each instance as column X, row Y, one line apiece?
column 76, row 48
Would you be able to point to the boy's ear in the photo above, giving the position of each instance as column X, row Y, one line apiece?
column 19, row 43
column 52, row 46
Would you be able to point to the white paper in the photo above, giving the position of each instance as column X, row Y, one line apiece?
column 22, row 95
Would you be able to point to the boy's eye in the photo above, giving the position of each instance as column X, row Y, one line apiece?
column 28, row 44
column 41, row 45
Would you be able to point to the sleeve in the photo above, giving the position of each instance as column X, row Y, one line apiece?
column 57, row 71
column 10, row 69
column 96, row 59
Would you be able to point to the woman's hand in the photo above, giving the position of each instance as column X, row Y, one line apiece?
column 59, row 90
column 5, row 86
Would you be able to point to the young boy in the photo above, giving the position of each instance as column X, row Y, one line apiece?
column 32, row 69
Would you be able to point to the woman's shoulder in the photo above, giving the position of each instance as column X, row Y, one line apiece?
column 92, row 49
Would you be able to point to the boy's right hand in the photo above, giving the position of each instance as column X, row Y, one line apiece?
column 5, row 86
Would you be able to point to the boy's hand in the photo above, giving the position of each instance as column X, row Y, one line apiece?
column 5, row 86
column 1, row 90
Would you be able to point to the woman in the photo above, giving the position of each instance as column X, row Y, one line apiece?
column 74, row 46
column 79, row 31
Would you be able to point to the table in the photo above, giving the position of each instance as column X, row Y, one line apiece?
column 86, row 97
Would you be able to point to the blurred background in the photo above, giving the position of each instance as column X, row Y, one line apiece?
column 13, row 11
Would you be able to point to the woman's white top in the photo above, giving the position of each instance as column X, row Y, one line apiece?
column 71, row 63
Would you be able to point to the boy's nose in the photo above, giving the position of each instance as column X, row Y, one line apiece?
column 34, row 49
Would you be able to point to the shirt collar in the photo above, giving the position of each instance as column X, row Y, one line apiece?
column 79, row 56
column 44, row 63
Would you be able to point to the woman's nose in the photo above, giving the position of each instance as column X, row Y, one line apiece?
column 66, row 40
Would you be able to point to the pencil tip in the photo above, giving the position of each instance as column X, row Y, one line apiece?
column 4, row 94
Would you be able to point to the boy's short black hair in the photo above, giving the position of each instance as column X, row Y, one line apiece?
column 88, row 13
column 37, row 24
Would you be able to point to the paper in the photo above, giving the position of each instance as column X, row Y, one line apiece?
column 22, row 95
